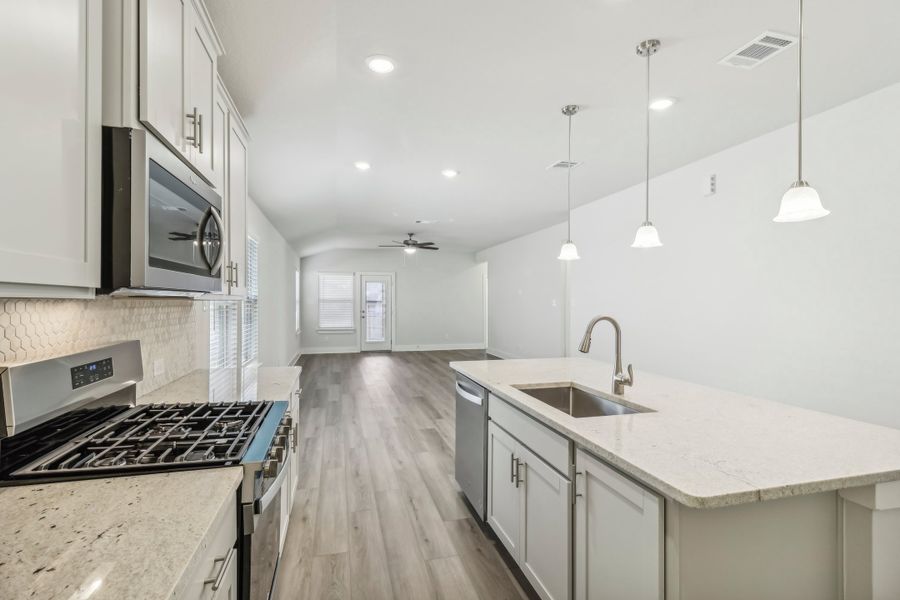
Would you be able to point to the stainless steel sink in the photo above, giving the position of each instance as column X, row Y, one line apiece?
column 576, row 402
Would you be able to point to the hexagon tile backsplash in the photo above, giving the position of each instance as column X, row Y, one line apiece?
column 169, row 329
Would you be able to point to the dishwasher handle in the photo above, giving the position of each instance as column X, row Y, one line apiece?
column 467, row 395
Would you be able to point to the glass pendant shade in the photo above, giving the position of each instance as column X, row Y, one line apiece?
column 800, row 203
column 410, row 250
column 568, row 251
column 646, row 236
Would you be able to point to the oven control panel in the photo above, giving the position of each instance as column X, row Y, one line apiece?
column 91, row 372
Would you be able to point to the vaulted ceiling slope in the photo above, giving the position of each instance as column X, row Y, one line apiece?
column 478, row 87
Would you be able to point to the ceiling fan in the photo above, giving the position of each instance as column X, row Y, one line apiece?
column 410, row 246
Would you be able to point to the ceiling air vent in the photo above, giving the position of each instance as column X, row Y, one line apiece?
column 563, row 164
column 760, row 49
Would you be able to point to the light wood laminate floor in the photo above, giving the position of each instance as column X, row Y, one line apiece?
column 377, row 512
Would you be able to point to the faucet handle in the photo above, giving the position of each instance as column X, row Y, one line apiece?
column 630, row 380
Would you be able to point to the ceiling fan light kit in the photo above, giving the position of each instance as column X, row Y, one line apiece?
column 410, row 245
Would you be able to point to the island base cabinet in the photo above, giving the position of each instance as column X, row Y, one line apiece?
column 618, row 535
column 530, row 511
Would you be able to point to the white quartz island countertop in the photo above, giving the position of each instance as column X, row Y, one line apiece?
column 701, row 446
column 123, row 537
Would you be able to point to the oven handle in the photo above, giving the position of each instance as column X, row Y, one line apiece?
column 274, row 490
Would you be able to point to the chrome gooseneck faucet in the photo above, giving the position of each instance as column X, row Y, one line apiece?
column 620, row 380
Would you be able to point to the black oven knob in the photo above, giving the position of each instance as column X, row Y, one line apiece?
column 270, row 468
column 278, row 453
column 284, row 430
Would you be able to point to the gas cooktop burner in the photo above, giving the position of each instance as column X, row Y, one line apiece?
column 142, row 438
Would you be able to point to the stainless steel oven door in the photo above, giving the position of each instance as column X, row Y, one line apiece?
column 178, row 236
column 264, row 543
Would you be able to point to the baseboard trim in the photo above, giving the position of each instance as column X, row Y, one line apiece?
column 433, row 347
column 330, row 350
column 501, row 354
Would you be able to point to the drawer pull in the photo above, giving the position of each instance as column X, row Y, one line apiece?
column 217, row 580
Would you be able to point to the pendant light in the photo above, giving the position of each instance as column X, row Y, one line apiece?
column 568, row 250
column 647, row 236
column 801, row 202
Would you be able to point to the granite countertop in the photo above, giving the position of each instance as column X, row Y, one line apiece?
column 205, row 385
column 701, row 446
column 109, row 539
column 124, row 537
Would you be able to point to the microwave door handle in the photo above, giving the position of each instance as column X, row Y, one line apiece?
column 201, row 237
column 221, row 256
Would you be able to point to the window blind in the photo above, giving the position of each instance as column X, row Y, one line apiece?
column 335, row 300
column 223, row 319
column 250, row 340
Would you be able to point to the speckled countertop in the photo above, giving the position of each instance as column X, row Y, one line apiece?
column 124, row 537
column 701, row 446
column 108, row 539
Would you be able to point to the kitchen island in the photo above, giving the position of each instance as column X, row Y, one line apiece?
column 756, row 498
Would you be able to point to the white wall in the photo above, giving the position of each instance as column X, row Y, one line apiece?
column 439, row 298
column 803, row 313
column 279, row 342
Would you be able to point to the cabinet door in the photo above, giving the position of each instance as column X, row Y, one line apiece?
column 236, row 214
column 50, row 110
column 295, row 416
column 504, row 499
column 163, row 29
column 219, row 141
column 545, row 547
column 228, row 586
column 618, row 535
column 201, row 96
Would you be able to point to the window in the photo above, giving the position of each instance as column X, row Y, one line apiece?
column 223, row 335
column 335, row 300
column 297, row 300
column 250, row 349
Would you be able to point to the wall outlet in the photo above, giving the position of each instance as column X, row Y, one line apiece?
column 159, row 367
column 709, row 185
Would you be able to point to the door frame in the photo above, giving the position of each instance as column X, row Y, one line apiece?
column 392, row 300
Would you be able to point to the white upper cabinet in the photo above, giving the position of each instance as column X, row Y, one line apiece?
column 50, row 111
column 162, row 92
column 236, row 211
column 179, row 51
column 618, row 535
column 200, row 113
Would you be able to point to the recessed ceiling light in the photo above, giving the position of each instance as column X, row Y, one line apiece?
column 380, row 64
column 362, row 165
column 449, row 173
column 662, row 103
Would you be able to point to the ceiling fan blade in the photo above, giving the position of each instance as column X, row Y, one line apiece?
column 428, row 248
column 389, row 246
column 425, row 243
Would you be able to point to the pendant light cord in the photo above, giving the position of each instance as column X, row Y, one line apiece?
column 569, row 186
column 647, row 179
column 800, row 100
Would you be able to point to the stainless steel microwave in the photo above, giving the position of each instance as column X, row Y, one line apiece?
column 162, row 229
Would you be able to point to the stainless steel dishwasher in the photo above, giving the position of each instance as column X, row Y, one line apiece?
column 471, row 442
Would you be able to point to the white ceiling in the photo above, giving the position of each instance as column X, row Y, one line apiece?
column 479, row 86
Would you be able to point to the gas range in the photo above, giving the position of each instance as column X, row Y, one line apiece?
column 76, row 417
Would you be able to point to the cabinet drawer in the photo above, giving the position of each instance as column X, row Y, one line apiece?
column 553, row 448
column 214, row 558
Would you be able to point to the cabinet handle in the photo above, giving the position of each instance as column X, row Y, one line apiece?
column 235, row 274
column 199, row 131
column 512, row 468
column 228, row 274
column 194, row 137
column 576, row 496
column 519, row 464
column 217, row 580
